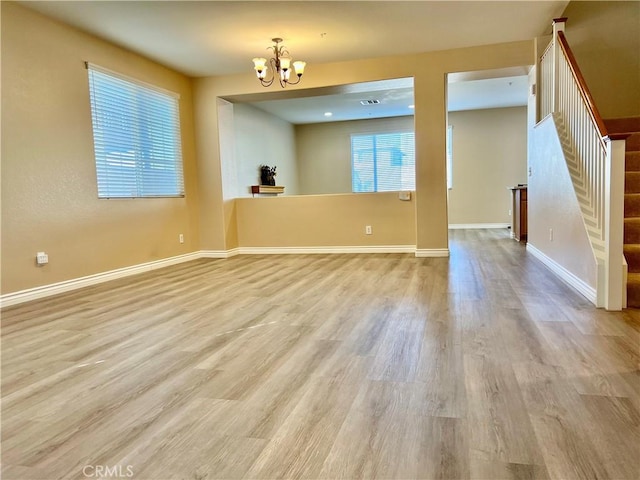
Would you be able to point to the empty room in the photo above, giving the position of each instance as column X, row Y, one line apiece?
column 320, row 240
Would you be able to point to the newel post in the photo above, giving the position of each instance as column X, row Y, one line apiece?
column 614, row 224
column 558, row 26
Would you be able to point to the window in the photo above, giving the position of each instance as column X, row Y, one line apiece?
column 136, row 137
column 383, row 162
column 450, row 157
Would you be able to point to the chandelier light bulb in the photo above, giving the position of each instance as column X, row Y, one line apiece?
column 299, row 67
column 285, row 74
column 285, row 63
column 259, row 63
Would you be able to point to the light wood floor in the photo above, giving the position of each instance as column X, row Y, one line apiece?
column 482, row 365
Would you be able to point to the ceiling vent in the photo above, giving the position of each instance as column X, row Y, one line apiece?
column 369, row 102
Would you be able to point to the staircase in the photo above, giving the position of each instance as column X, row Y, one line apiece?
column 595, row 156
column 631, row 203
column 584, row 194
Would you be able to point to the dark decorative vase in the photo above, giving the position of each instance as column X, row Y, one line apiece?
column 267, row 175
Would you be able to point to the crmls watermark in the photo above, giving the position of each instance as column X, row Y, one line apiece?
column 101, row 471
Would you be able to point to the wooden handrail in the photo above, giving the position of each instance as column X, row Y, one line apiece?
column 582, row 85
column 618, row 136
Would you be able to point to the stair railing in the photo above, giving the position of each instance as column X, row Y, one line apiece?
column 595, row 160
column 546, row 68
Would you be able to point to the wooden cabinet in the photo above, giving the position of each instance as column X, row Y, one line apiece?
column 519, row 213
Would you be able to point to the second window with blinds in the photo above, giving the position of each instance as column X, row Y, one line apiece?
column 383, row 162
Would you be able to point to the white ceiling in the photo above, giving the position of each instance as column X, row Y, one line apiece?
column 394, row 96
column 498, row 92
column 507, row 87
column 203, row 38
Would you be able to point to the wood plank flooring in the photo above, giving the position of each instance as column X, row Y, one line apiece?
column 482, row 365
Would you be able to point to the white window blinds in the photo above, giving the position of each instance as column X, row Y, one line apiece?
column 136, row 136
column 383, row 162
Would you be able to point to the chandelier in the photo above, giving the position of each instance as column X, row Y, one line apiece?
column 280, row 65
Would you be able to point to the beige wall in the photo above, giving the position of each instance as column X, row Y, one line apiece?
column 552, row 204
column 324, row 151
column 429, row 72
column 605, row 38
column 49, row 193
column 263, row 139
column 49, row 199
column 489, row 155
column 326, row 221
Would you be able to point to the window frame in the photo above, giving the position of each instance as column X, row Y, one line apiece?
column 136, row 137
column 376, row 159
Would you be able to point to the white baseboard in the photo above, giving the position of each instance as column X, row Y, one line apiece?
column 326, row 250
column 432, row 252
column 218, row 253
column 461, row 226
column 565, row 275
column 68, row 285
column 43, row 291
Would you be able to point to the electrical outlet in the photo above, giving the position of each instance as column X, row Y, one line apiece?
column 42, row 258
column 181, row 238
column 509, row 212
column 551, row 234
column 367, row 230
